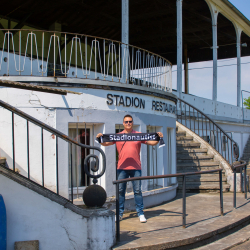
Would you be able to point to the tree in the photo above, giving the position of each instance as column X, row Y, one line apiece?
column 247, row 102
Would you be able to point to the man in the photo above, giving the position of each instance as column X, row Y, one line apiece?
column 129, row 165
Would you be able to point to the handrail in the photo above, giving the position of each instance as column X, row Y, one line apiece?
column 225, row 145
column 240, row 165
column 166, row 176
column 58, row 134
column 82, row 56
column 184, row 175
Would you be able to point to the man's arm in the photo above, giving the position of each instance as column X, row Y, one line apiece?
column 104, row 143
column 153, row 143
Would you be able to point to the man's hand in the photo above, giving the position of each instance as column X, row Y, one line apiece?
column 160, row 134
column 99, row 135
column 104, row 143
column 153, row 143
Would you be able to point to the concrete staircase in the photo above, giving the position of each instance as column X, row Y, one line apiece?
column 191, row 158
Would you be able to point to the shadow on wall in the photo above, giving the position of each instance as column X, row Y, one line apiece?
column 24, row 172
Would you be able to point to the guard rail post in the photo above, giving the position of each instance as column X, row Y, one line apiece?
column 184, row 201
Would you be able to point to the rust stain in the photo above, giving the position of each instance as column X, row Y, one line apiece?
column 53, row 136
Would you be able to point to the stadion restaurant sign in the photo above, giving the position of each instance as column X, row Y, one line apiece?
column 148, row 103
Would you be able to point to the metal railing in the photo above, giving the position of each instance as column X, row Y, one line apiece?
column 94, row 167
column 60, row 54
column 240, row 166
column 206, row 128
column 184, row 176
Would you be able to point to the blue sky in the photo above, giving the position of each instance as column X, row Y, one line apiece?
column 200, row 80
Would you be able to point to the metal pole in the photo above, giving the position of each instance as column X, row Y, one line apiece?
column 194, row 119
column 77, row 162
column 245, row 181
column 234, row 187
column 57, row 178
column 215, row 53
column 117, row 214
column 85, row 141
column 125, row 35
column 42, row 157
column 179, row 46
column 28, row 149
column 221, row 194
column 13, row 143
column 184, row 201
column 238, row 45
column 71, row 170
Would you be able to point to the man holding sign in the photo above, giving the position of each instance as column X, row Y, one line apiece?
column 128, row 144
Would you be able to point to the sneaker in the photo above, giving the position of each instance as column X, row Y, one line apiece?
column 142, row 218
column 120, row 218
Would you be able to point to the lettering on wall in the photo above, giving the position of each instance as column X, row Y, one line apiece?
column 127, row 101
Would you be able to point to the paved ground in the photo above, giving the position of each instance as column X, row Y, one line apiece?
column 164, row 227
column 244, row 246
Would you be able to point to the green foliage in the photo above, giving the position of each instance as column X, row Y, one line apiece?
column 247, row 102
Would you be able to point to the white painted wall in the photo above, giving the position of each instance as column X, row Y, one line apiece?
column 31, row 216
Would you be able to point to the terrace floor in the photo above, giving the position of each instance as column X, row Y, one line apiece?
column 164, row 230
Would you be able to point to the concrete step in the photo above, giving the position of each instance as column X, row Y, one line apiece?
column 188, row 144
column 203, row 178
column 184, row 138
column 188, row 157
column 208, row 187
column 191, row 151
column 195, row 163
column 180, row 133
column 196, row 169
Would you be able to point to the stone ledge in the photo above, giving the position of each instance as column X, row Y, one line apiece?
column 27, row 245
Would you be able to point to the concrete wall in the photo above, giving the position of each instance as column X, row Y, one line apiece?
column 32, row 216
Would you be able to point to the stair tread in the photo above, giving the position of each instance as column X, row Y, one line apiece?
column 192, row 150
column 197, row 163
column 180, row 138
column 193, row 157
column 205, row 186
column 231, row 240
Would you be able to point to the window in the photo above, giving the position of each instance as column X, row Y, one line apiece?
column 154, row 161
column 171, row 155
column 82, row 133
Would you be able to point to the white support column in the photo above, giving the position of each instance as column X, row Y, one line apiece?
column 125, row 38
column 215, row 52
column 238, row 45
column 179, row 46
column 125, row 21
column 214, row 14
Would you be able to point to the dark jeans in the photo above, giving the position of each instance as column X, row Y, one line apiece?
column 123, row 174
